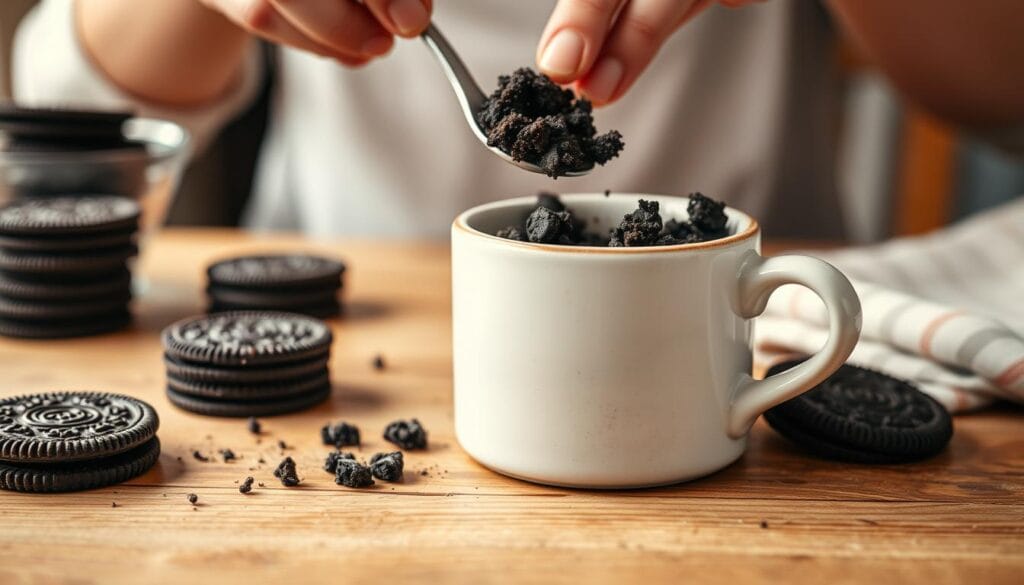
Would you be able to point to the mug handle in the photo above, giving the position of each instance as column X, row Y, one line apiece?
column 758, row 278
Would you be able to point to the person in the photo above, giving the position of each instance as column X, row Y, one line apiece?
column 736, row 99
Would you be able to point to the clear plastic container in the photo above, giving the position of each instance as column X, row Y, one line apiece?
column 149, row 171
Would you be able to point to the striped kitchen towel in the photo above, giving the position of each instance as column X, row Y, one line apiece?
column 945, row 310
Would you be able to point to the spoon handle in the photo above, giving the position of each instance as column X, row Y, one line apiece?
column 469, row 94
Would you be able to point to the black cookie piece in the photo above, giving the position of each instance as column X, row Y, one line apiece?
column 387, row 466
column 544, row 226
column 52, row 216
column 276, row 272
column 51, row 311
column 250, row 392
column 350, row 473
column 863, row 416
column 707, row 214
column 21, row 286
column 204, row 374
column 105, row 261
column 249, row 338
column 408, row 435
column 641, row 227
column 340, row 435
column 331, row 462
column 287, row 472
column 65, row 328
column 80, row 475
column 247, row 408
column 63, row 427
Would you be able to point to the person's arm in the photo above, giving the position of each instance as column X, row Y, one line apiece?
column 173, row 52
column 961, row 60
column 187, row 52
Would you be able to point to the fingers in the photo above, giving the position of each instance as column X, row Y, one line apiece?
column 343, row 25
column 639, row 31
column 574, row 36
column 405, row 18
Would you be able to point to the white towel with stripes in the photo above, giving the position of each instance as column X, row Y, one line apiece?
column 944, row 310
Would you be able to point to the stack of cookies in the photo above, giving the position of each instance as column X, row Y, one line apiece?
column 64, row 265
column 247, row 363
column 69, row 441
column 299, row 283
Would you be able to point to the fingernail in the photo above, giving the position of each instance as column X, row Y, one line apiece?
column 604, row 79
column 409, row 16
column 377, row 46
column 563, row 54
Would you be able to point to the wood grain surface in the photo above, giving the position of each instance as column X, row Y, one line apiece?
column 777, row 515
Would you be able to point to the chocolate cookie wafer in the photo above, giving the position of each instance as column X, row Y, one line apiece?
column 68, row 441
column 863, row 416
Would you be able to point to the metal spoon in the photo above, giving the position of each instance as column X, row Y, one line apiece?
column 470, row 96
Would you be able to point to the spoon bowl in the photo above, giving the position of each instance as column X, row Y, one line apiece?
column 471, row 97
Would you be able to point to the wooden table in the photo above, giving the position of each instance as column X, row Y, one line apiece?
column 775, row 515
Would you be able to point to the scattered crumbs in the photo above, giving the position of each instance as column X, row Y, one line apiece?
column 200, row 457
column 165, row 495
column 192, row 499
column 261, row 460
column 378, row 362
column 246, row 486
column 254, row 425
column 113, row 504
column 180, row 460
column 424, row 473
column 607, row 192
column 282, row 445
column 260, row 484
column 764, row 524
column 228, row 455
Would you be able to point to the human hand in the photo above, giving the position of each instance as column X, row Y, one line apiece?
column 346, row 30
column 602, row 46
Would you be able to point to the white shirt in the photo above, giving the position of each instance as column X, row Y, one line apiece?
column 738, row 105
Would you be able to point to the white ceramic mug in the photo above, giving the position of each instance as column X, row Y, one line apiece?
column 620, row 367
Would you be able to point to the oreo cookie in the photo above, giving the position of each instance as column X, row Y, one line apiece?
column 247, row 363
column 863, row 416
column 69, row 441
column 69, row 216
column 300, row 283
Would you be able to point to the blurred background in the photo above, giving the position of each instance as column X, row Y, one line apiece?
column 900, row 172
